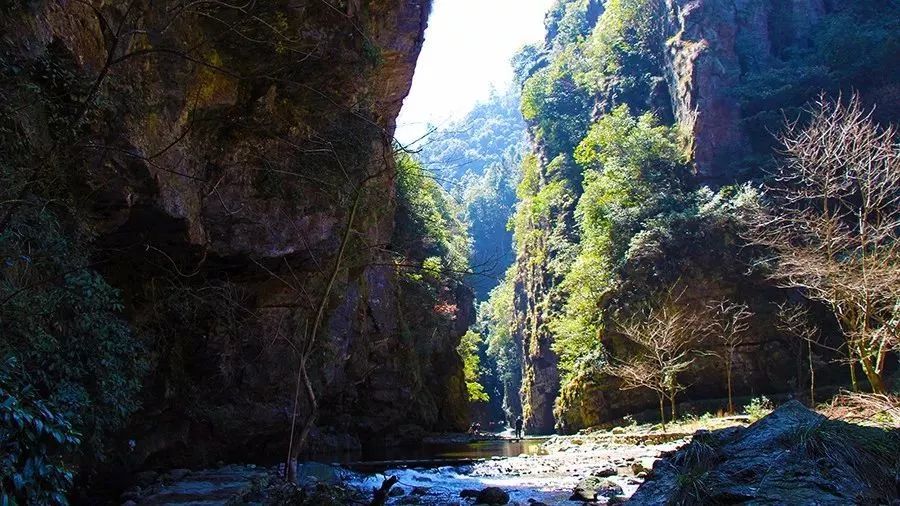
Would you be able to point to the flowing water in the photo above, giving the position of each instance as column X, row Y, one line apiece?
column 435, row 473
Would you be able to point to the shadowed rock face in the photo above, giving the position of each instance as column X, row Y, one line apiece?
column 218, row 166
column 710, row 46
column 792, row 456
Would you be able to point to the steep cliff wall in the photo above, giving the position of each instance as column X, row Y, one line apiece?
column 210, row 156
column 725, row 75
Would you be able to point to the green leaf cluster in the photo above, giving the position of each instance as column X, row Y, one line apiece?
column 469, row 351
column 496, row 318
column 65, row 344
column 427, row 222
column 34, row 443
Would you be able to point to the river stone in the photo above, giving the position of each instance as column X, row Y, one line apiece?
column 492, row 495
column 588, row 489
column 468, row 493
column 176, row 475
column 310, row 472
column 605, row 471
column 396, row 492
column 644, row 465
column 146, row 478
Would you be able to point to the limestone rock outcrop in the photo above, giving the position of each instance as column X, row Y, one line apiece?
column 220, row 150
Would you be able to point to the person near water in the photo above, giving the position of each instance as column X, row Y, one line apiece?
column 519, row 427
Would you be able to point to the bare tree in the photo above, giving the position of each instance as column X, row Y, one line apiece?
column 831, row 219
column 667, row 335
column 730, row 322
column 794, row 319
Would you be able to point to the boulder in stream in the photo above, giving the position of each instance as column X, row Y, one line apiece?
column 792, row 456
column 605, row 471
column 588, row 489
column 493, row 496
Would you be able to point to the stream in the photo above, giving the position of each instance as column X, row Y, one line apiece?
column 531, row 470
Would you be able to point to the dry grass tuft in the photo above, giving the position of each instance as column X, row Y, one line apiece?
column 882, row 410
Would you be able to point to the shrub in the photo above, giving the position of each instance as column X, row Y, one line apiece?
column 62, row 325
column 34, row 443
column 758, row 408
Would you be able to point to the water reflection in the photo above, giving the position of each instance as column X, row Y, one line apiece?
column 441, row 453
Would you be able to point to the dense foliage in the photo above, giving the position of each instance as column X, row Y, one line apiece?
column 476, row 159
column 609, row 212
column 493, row 132
column 470, row 349
column 495, row 321
column 839, row 60
column 428, row 224
column 70, row 362
column 35, row 442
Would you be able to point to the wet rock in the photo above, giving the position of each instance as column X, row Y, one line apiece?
column 492, row 495
column 792, row 456
column 468, row 493
column 131, row 493
column 175, row 475
column 605, row 471
column 644, row 465
column 146, row 478
column 396, row 492
column 419, row 491
column 589, row 489
column 129, row 503
column 211, row 486
column 314, row 472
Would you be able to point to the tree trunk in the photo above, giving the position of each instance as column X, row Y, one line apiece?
column 875, row 378
column 812, row 376
column 854, row 383
column 672, row 404
column 294, row 447
column 730, row 396
column 662, row 411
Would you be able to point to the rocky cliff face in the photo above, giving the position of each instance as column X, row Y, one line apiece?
column 726, row 73
column 216, row 153
column 711, row 47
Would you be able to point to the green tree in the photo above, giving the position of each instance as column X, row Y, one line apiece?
column 469, row 351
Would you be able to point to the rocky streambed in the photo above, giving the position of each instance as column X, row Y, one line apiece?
column 791, row 456
column 602, row 467
column 566, row 470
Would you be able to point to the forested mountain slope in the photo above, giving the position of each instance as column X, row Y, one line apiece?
column 646, row 117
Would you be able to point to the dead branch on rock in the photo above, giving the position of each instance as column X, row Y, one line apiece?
column 383, row 493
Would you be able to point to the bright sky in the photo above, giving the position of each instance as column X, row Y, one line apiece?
column 468, row 45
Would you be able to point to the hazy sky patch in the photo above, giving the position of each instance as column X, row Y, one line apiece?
column 467, row 50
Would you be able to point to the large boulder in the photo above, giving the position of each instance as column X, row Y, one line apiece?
column 588, row 489
column 792, row 456
column 492, row 495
